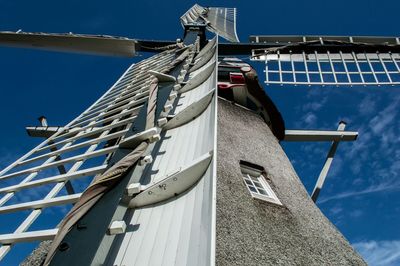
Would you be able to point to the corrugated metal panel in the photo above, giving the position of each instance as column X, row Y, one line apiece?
column 180, row 230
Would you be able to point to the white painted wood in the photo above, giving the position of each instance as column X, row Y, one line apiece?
column 39, row 204
column 133, row 141
column 90, row 133
column 117, row 227
column 41, row 235
column 64, row 161
column 320, row 135
column 327, row 165
column 76, row 146
column 42, row 132
column 162, row 77
column 55, row 179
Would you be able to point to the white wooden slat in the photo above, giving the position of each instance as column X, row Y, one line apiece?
column 39, row 204
column 109, row 116
column 340, row 77
column 35, row 213
column 89, row 133
column 320, row 135
column 54, row 179
column 9, row 195
column 39, row 235
column 63, row 161
column 133, row 103
column 76, row 146
column 7, row 240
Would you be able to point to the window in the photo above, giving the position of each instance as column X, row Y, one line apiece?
column 254, row 178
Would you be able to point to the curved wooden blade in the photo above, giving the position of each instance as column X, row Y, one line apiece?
column 88, row 44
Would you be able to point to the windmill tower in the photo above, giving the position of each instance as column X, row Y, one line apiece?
column 182, row 160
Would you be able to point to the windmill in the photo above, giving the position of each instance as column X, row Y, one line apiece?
column 165, row 185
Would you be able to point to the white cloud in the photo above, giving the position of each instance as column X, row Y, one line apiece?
column 388, row 186
column 380, row 253
column 367, row 106
column 356, row 213
column 310, row 119
column 314, row 105
column 335, row 210
column 380, row 122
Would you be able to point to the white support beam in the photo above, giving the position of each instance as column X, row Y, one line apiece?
column 43, row 131
column 320, row 135
column 40, row 235
column 327, row 165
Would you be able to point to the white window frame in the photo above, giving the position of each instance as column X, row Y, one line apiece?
column 250, row 173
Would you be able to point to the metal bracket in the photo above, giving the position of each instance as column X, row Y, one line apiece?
column 162, row 77
column 190, row 112
column 173, row 184
column 198, row 79
column 206, row 48
column 133, row 141
column 204, row 60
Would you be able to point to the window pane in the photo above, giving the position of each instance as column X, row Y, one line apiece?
column 257, row 184
column 248, row 182
column 262, row 191
column 252, row 189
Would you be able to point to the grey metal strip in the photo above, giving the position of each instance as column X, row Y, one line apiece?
column 190, row 112
column 198, row 79
column 204, row 60
column 174, row 184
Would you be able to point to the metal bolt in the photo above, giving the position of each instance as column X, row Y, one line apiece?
column 64, row 246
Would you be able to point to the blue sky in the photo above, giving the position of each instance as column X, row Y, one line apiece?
column 361, row 195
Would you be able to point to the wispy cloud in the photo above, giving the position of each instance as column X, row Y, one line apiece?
column 309, row 119
column 367, row 106
column 380, row 122
column 380, row 253
column 388, row 186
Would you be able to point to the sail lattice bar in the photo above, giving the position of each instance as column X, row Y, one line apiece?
column 84, row 147
column 329, row 60
column 220, row 20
